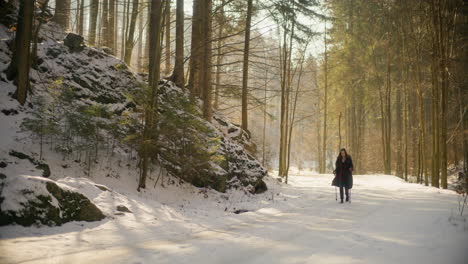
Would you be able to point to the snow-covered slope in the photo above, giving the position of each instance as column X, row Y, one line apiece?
column 75, row 90
column 388, row 221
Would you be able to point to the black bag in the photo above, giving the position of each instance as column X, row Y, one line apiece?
column 335, row 180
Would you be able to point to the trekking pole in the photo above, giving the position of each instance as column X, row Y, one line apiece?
column 336, row 195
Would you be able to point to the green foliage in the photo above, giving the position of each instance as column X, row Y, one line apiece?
column 181, row 141
column 70, row 125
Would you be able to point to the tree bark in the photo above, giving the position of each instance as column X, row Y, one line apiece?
column 325, row 105
column 154, row 76
column 94, row 5
column 178, row 74
column 167, row 24
column 62, row 13
column 206, row 60
column 81, row 18
column 245, row 68
column 111, row 33
column 195, row 50
column 105, row 23
column 130, row 42
column 219, row 56
column 20, row 63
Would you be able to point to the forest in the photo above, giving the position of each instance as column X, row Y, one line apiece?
column 174, row 109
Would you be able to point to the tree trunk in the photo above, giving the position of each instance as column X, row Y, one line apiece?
column 283, row 66
column 20, row 63
column 62, row 13
column 105, row 23
column 130, row 42
column 81, row 18
column 94, row 5
column 435, row 102
column 140, row 43
column 154, row 76
column 325, row 105
column 111, row 33
column 339, row 131
column 124, row 31
column 422, row 125
column 196, row 50
column 206, row 59
column 245, row 68
column 167, row 24
column 219, row 56
column 178, row 74
column 264, row 114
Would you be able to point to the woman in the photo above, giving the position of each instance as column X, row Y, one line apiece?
column 343, row 173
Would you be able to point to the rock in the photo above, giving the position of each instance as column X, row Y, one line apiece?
column 260, row 187
column 9, row 112
column 74, row 206
column 74, row 42
column 45, row 169
column 220, row 121
column 232, row 130
column 122, row 208
column 102, row 187
column 119, row 214
column 3, row 164
column 43, row 202
column 108, row 50
column 53, row 52
column 240, row 211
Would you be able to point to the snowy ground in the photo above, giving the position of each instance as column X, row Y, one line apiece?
column 388, row 221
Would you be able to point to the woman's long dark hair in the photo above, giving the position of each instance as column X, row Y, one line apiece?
column 339, row 154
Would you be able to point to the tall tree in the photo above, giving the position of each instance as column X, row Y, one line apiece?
column 111, row 33
column 195, row 49
column 130, row 41
column 167, row 30
column 178, row 74
column 62, row 13
column 105, row 23
column 20, row 63
column 219, row 54
column 206, row 28
column 93, row 16
column 325, row 105
column 81, row 17
column 154, row 76
column 245, row 68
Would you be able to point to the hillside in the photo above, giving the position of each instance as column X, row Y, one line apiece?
column 82, row 120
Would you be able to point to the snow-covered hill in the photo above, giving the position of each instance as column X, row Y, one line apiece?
column 76, row 94
column 388, row 221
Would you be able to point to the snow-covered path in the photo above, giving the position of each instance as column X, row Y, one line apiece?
column 388, row 221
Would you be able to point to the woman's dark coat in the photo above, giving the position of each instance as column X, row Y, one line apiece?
column 345, row 180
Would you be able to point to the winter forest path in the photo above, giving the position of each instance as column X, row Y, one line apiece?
column 388, row 221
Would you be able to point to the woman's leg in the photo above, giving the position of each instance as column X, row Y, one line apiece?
column 341, row 193
column 347, row 194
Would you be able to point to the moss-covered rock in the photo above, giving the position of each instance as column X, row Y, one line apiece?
column 28, row 200
column 74, row 206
